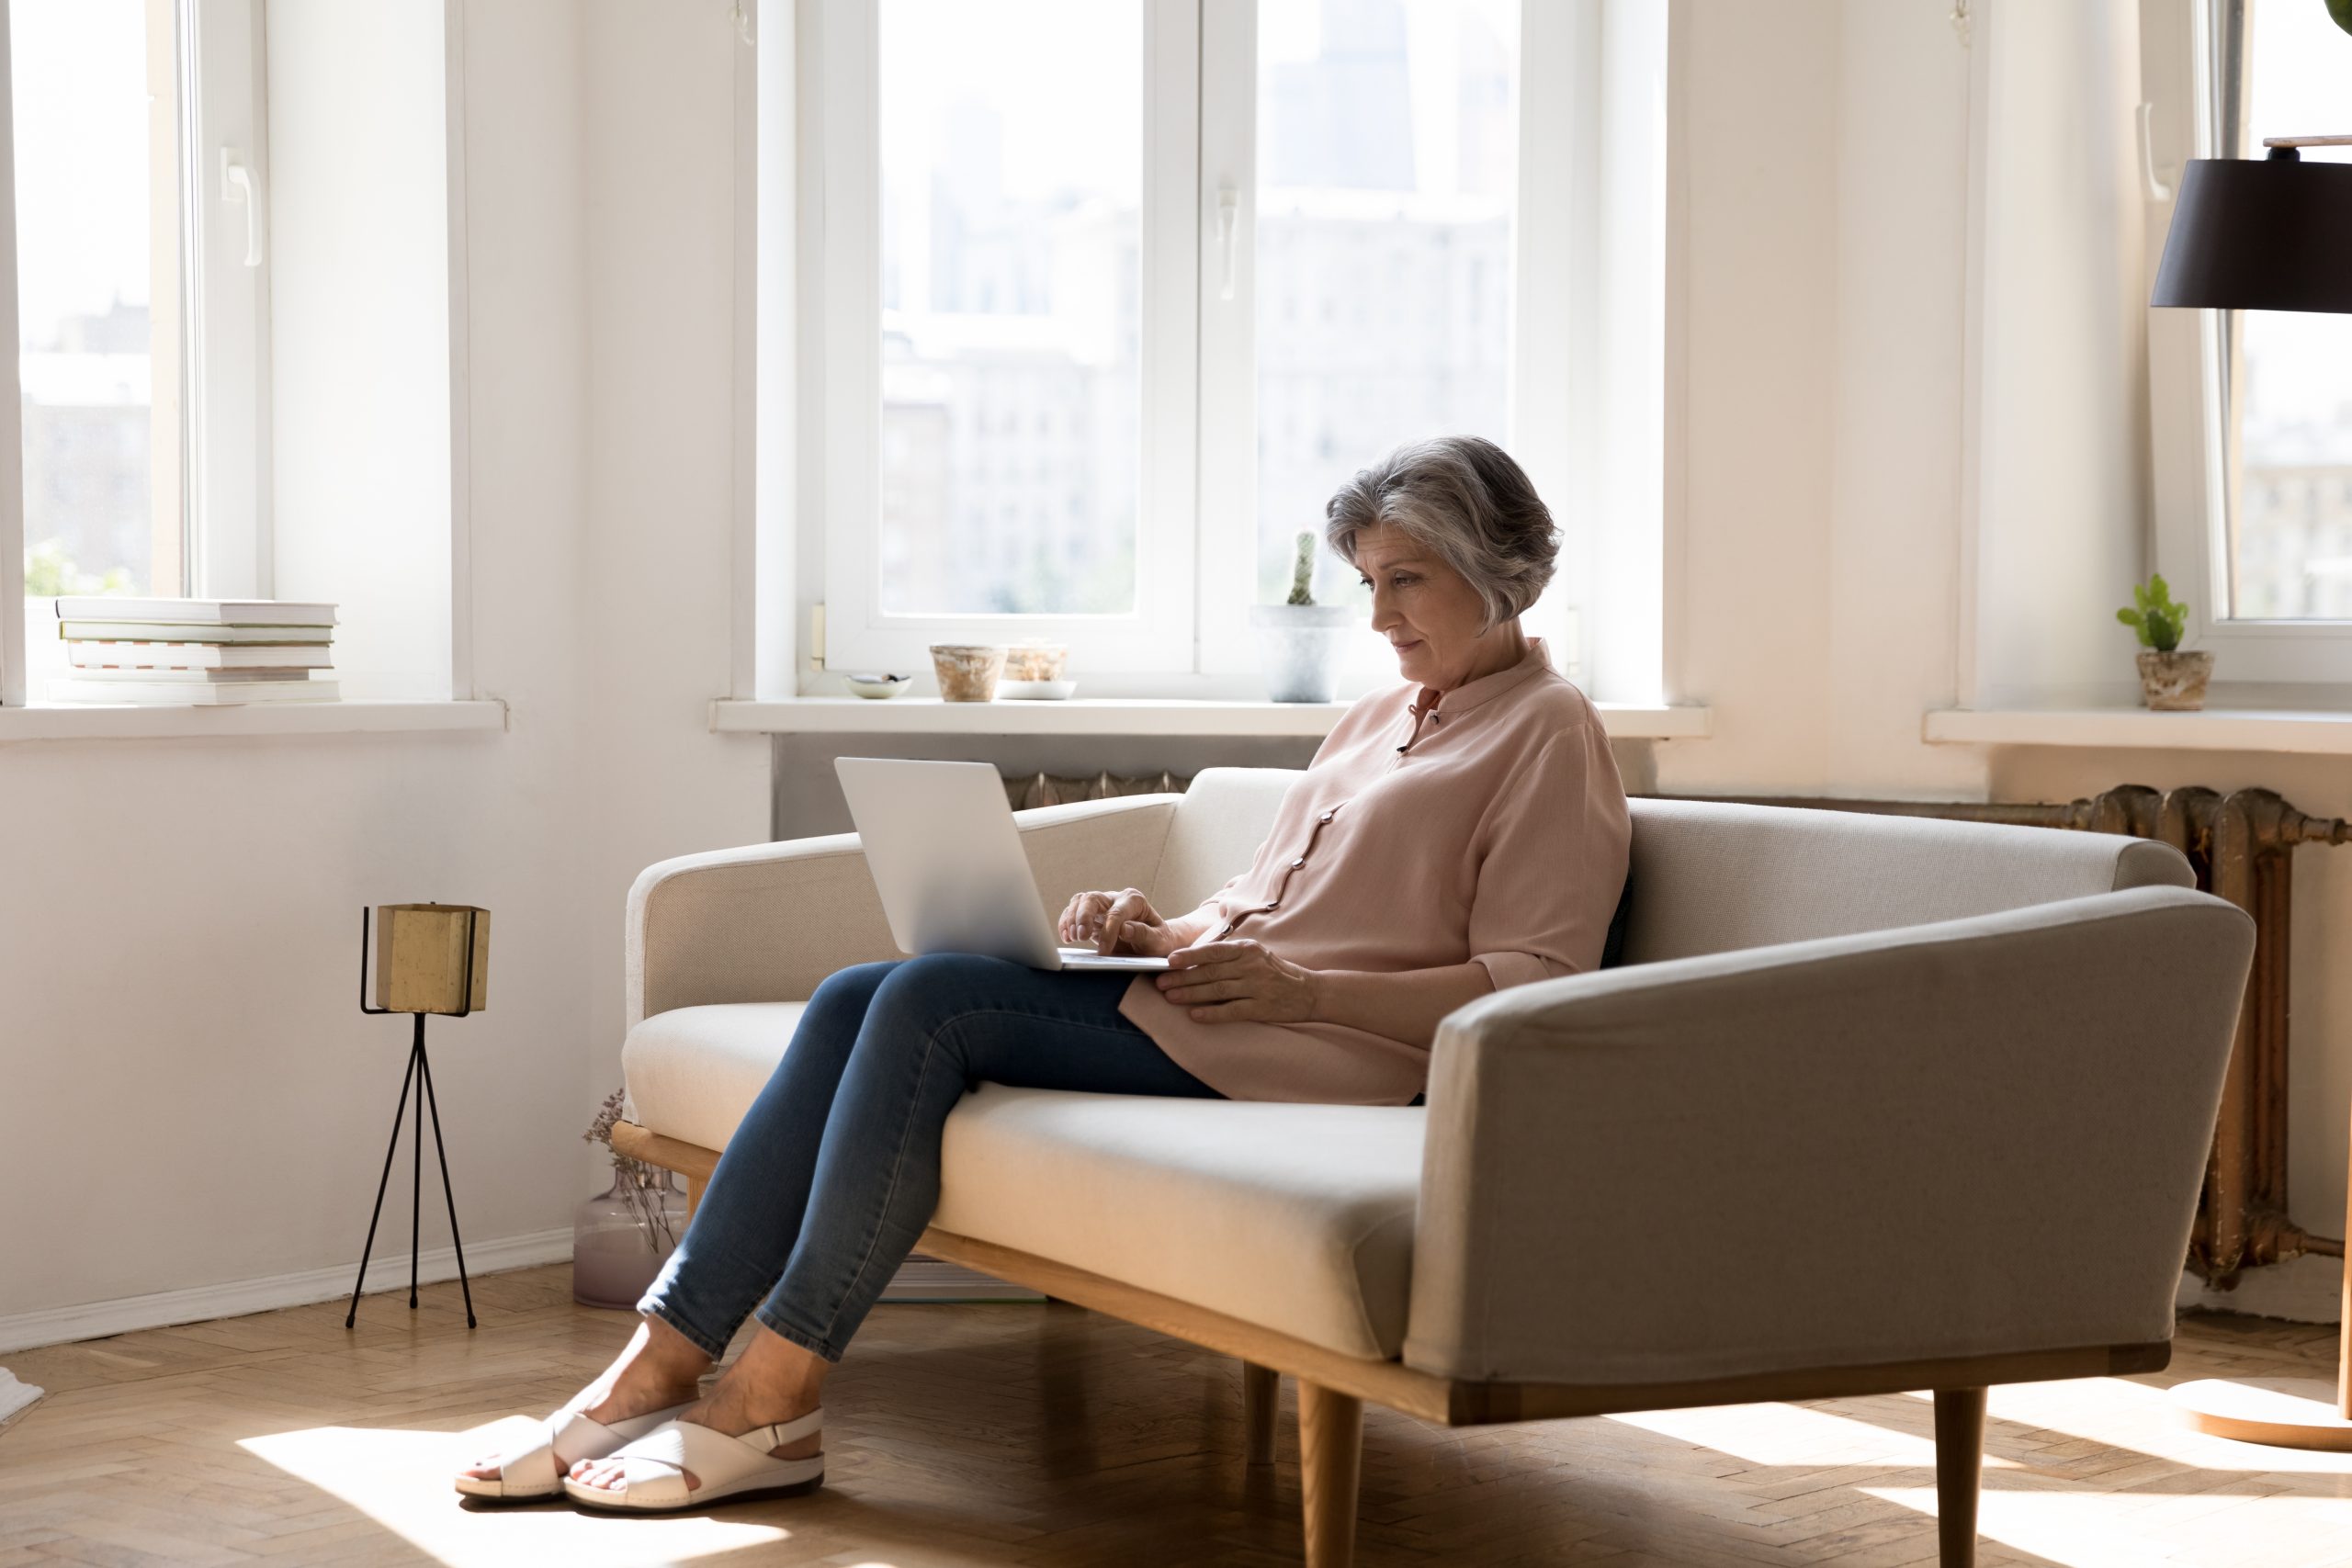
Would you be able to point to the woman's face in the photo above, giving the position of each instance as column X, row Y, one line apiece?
column 1428, row 610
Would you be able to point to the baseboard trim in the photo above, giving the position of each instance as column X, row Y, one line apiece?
column 97, row 1320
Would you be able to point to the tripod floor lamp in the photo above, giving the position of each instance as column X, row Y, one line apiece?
column 2267, row 234
column 429, row 958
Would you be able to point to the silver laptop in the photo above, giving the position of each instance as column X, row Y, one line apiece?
column 946, row 858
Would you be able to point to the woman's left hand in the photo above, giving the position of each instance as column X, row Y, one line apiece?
column 1238, row 981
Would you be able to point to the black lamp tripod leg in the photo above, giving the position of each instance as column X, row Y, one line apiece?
column 399, row 1115
column 433, row 1102
column 416, row 1173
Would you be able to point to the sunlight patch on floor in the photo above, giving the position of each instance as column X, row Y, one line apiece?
column 2223, row 1528
column 401, row 1480
column 2120, row 1413
column 1792, row 1435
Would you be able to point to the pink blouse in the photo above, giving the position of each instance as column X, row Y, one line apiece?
column 1483, row 825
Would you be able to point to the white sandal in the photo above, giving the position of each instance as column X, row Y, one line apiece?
column 535, row 1471
column 654, row 1477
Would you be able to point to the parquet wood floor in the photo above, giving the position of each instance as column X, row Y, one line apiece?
column 1051, row 1438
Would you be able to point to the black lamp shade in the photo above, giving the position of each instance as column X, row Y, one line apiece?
column 2260, row 235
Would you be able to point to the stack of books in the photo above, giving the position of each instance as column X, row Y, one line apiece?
column 205, row 651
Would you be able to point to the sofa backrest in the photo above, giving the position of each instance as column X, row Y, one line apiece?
column 1713, row 878
column 1220, row 822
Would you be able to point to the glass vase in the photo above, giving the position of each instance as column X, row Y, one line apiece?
column 621, row 1238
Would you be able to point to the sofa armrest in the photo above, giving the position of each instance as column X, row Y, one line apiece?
column 767, row 922
column 1975, row 1137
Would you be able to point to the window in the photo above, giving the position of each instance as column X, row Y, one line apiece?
column 2287, row 443
column 137, row 300
column 2252, row 409
column 1104, row 297
column 1384, row 243
column 1010, row 346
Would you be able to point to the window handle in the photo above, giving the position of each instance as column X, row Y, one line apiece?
column 1229, row 235
column 237, row 183
column 2158, row 190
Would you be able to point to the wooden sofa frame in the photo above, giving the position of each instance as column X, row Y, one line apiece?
column 1332, row 1387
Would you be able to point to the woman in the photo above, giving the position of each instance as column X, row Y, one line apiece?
column 1458, row 833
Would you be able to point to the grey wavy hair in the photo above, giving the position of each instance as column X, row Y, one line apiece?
column 1465, row 499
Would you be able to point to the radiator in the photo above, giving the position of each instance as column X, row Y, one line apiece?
column 2242, row 846
column 1027, row 791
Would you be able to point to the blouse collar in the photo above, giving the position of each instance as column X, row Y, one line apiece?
column 1485, row 688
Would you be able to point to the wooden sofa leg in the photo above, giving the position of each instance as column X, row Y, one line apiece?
column 1330, row 1447
column 1261, row 1395
column 1960, row 1466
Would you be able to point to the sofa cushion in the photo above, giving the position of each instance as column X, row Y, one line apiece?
column 1297, row 1218
column 692, row 1072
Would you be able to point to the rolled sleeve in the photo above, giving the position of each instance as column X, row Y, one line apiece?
column 1509, row 969
column 1553, row 863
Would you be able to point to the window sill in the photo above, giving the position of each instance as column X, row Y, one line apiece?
column 2311, row 731
column 111, row 721
column 1112, row 715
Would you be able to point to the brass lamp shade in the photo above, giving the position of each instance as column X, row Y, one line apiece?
column 432, row 958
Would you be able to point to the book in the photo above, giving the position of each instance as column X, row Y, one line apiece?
column 195, row 694
column 191, row 677
column 196, row 612
column 183, row 631
column 90, row 656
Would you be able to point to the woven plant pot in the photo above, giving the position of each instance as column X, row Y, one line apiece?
column 2174, row 682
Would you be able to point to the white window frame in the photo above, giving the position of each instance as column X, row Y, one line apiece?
column 2186, row 366
column 848, row 340
column 1587, row 391
column 224, row 309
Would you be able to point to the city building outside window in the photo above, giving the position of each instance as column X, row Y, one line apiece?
column 1112, row 295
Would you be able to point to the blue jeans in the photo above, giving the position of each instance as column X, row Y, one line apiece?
column 832, row 1175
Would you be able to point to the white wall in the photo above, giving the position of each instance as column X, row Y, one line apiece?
column 358, row 217
column 2058, row 396
column 179, row 920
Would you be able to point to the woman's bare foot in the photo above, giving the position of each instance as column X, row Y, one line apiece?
column 774, row 1381
column 660, row 1367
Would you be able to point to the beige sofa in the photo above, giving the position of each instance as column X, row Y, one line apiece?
column 1872, row 1104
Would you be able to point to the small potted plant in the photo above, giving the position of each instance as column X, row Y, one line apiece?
column 1299, row 642
column 2171, row 681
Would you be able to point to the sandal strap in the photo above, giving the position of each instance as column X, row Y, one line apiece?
column 653, row 1467
column 783, row 1432
column 538, row 1463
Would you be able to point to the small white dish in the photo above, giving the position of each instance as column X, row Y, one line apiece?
column 1036, row 690
column 879, row 685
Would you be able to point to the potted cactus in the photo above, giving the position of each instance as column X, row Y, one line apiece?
column 2171, row 681
column 1299, row 642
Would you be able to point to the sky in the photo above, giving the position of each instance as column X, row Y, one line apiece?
column 79, row 73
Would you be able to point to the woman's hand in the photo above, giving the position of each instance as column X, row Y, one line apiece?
column 1119, row 921
column 1238, row 981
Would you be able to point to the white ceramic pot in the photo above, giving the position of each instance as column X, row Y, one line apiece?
column 1299, row 646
